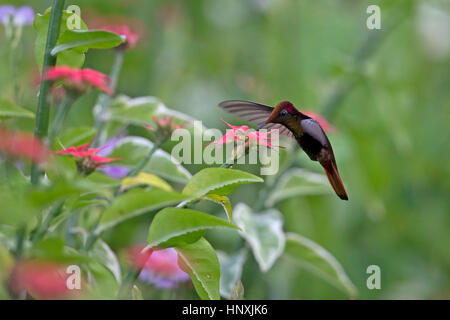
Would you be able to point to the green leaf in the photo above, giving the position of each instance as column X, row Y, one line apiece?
column 263, row 231
column 139, row 111
column 319, row 261
column 174, row 226
column 144, row 178
column 200, row 262
column 103, row 254
column 10, row 110
column 87, row 39
column 54, row 249
column 73, row 57
column 231, row 270
column 137, row 202
column 224, row 202
column 74, row 137
column 299, row 182
column 133, row 149
column 218, row 181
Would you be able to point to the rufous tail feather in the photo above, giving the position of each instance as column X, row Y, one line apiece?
column 334, row 178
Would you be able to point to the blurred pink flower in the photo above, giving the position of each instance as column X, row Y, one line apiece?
column 124, row 30
column 40, row 279
column 323, row 122
column 164, row 127
column 22, row 145
column 80, row 80
column 261, row 138
column 161, row 269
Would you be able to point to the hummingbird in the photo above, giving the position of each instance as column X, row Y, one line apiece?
column 294, row 124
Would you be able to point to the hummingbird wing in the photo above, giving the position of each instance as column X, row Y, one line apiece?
column 255, row 113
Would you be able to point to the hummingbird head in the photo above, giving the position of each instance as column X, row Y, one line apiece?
column 283, row 113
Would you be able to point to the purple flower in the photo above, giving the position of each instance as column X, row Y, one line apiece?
column 21, row 16
column 115, row 172
column 162, row 269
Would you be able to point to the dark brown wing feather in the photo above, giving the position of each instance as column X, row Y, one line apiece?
column 253, row 112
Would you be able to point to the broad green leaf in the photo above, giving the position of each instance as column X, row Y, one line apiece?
column 74, row 137
column 133, row 149
column 87, row 39
column 104, row 284
column 144, row 178
column 137, row 202
column 54, row 249
column 103, row 254
column 139, row 111
column 219, row 181
column 263, row 231
column 319, row 261
column 6, row 263
column 175, row 226
column 199, row 260
column 224, row 202
column 231, row 270
column 298, row 182
column 73, row 57
column 8, row 109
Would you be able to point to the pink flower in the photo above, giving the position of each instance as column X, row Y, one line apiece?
column 232, row 134
column 326, row 126
column 79, row 80
column 236, row 133
column 124, row 30
column 162, row 269
column 163, row 128
column 88, row 159
column 40, row 279
column 20, row 145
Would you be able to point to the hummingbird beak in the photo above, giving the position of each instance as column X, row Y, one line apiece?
column 261, row 125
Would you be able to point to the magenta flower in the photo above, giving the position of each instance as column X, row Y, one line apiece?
column 130, row 38
column 19, row 17
column 21, row 145
column 162, row 269
column 41, row 280
column 235, row 133
column 79, row 80
column 158, row 267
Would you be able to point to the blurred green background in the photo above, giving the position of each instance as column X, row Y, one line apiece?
column 386, row 92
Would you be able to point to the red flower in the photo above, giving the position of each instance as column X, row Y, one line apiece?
column 236, row 133
column 124, row 30
column 138, row 256
column 40, row 279
column 326, row 126
column 164, row 127
column 88, row 159
column 19, row 145
column 80, row 80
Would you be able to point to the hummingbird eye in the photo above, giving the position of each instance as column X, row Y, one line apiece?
column 283, row 113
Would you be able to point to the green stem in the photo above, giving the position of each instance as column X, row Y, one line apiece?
column 141, row 164
column 42, row 115
column 42, row 229
column 60, row 116
column 127, row 283
column 104, row 100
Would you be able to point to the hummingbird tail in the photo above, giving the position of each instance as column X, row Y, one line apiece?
column 334, row 178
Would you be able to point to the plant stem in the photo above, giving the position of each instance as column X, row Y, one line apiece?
column 141, row 164
column 42, row 229
column 42, row 115
column 127, row 283
column 104, row 100
column 60, row 116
